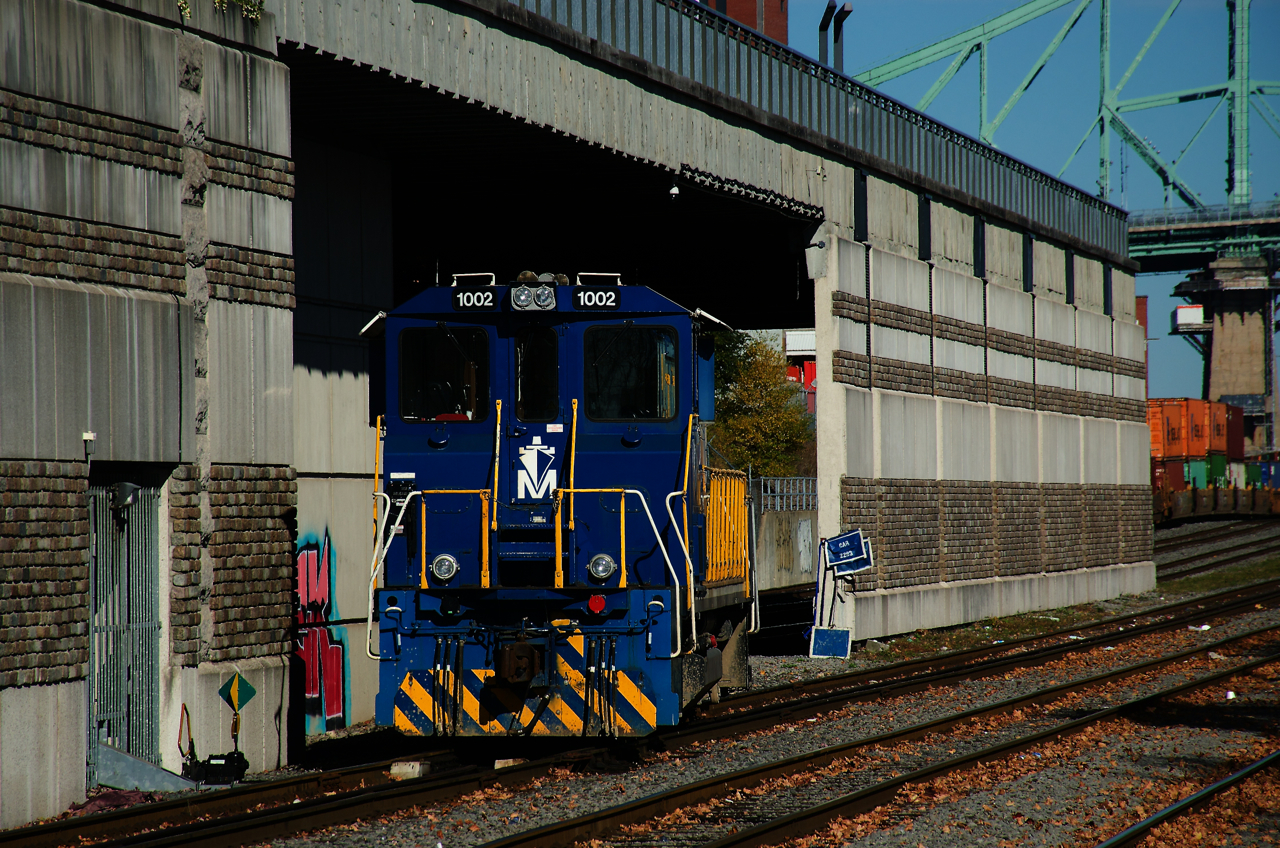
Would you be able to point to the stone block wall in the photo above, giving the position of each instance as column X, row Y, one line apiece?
column 908, row 533
column 253, row 511
column 184, row 564
column 44, row 572
column 968, row 546
column 926, row 532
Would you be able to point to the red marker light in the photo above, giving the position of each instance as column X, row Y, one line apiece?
column 596, row 604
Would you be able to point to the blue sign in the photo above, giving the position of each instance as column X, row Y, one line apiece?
column 848, row 553
column 830, row 642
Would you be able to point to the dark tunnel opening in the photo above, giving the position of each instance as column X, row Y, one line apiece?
column 460, row 188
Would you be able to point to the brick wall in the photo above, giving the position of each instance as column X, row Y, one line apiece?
column 968, row 544
column 901, row 376
column 1017, row 520
column 184, row 537
column 1134, row 503
column 253, row 515
column 859, row 511
column 44, row 572
column 909, row 533
column 924, row 531
column 1063, row 525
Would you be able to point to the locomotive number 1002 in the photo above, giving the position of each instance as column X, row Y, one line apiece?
column 481, row 299
column 595, row 298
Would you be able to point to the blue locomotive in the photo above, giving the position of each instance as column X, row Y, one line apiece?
column 554, row 554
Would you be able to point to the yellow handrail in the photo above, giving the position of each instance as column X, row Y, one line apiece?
column 622, row 530
column 484, row 534
column 556, row 498
column 497, row 451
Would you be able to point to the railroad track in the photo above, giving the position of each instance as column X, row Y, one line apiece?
column 270, row 809
column 807, row 697
column 1208, row 561
column 1212, row 534
column 219, row 802
column 757, row 819
column 1139, row 831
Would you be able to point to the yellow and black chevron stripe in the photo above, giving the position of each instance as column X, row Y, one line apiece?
column 580, row 701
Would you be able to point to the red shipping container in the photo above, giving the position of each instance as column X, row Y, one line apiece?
column 1155, row 423
column 1218, row 428
column 1166, row 420
column 1175, row 478
column 1235, row 433
column 1198, row 428
column 1157, row 475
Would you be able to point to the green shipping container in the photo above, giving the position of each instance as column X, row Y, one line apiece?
column 1218, row 471
column 1253, row 474
column 1197, row 473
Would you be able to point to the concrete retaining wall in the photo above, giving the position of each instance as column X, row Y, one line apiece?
column 893, row 611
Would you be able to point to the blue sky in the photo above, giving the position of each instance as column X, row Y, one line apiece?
column 1052, row 115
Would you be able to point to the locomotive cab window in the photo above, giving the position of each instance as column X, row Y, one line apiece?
column 537, row 374
column 630, row 373
column 444, row 374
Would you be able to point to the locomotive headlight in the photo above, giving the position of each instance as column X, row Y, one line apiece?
column 545, row 297
column 602, row 566
column 444, row 567
column 522, row 297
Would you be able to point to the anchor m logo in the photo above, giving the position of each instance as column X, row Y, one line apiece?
column 536, row 478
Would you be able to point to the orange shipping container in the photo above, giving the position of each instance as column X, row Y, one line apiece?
column 1198, row 428
column 1218, row 428
column 1166, row 420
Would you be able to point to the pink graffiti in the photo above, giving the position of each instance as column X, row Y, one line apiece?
column 322, row 656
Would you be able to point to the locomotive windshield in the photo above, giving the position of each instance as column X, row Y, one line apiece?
column 537, row 374
column 444, row 374
column 630, row 373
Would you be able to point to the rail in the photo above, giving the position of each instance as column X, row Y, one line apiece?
column 788, row 494
column 1223, row 214
column 728, row 523
column 691, row 40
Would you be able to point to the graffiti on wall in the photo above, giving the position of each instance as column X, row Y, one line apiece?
column 323, row 650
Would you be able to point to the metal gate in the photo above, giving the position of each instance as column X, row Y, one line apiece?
column 124, row 622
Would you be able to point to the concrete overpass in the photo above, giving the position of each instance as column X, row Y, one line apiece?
column 199, row 214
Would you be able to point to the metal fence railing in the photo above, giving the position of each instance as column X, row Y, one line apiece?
column 788, row 494
column 1225, row 213
column 728, row 525
column 690, row 40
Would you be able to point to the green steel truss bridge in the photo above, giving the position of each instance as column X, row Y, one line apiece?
column 1165, row 239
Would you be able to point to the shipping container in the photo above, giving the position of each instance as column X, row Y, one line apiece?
column 1155, row 423
column 1235, row 475
column 1158, row 481
column 1235, row 432
column 1165, row 419
column 1217, row 472
column 1175, row 475
column 1197, row 473
column 1253, row 473
column 1217, row 427
column 1264, row 474
column 1198, row 427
